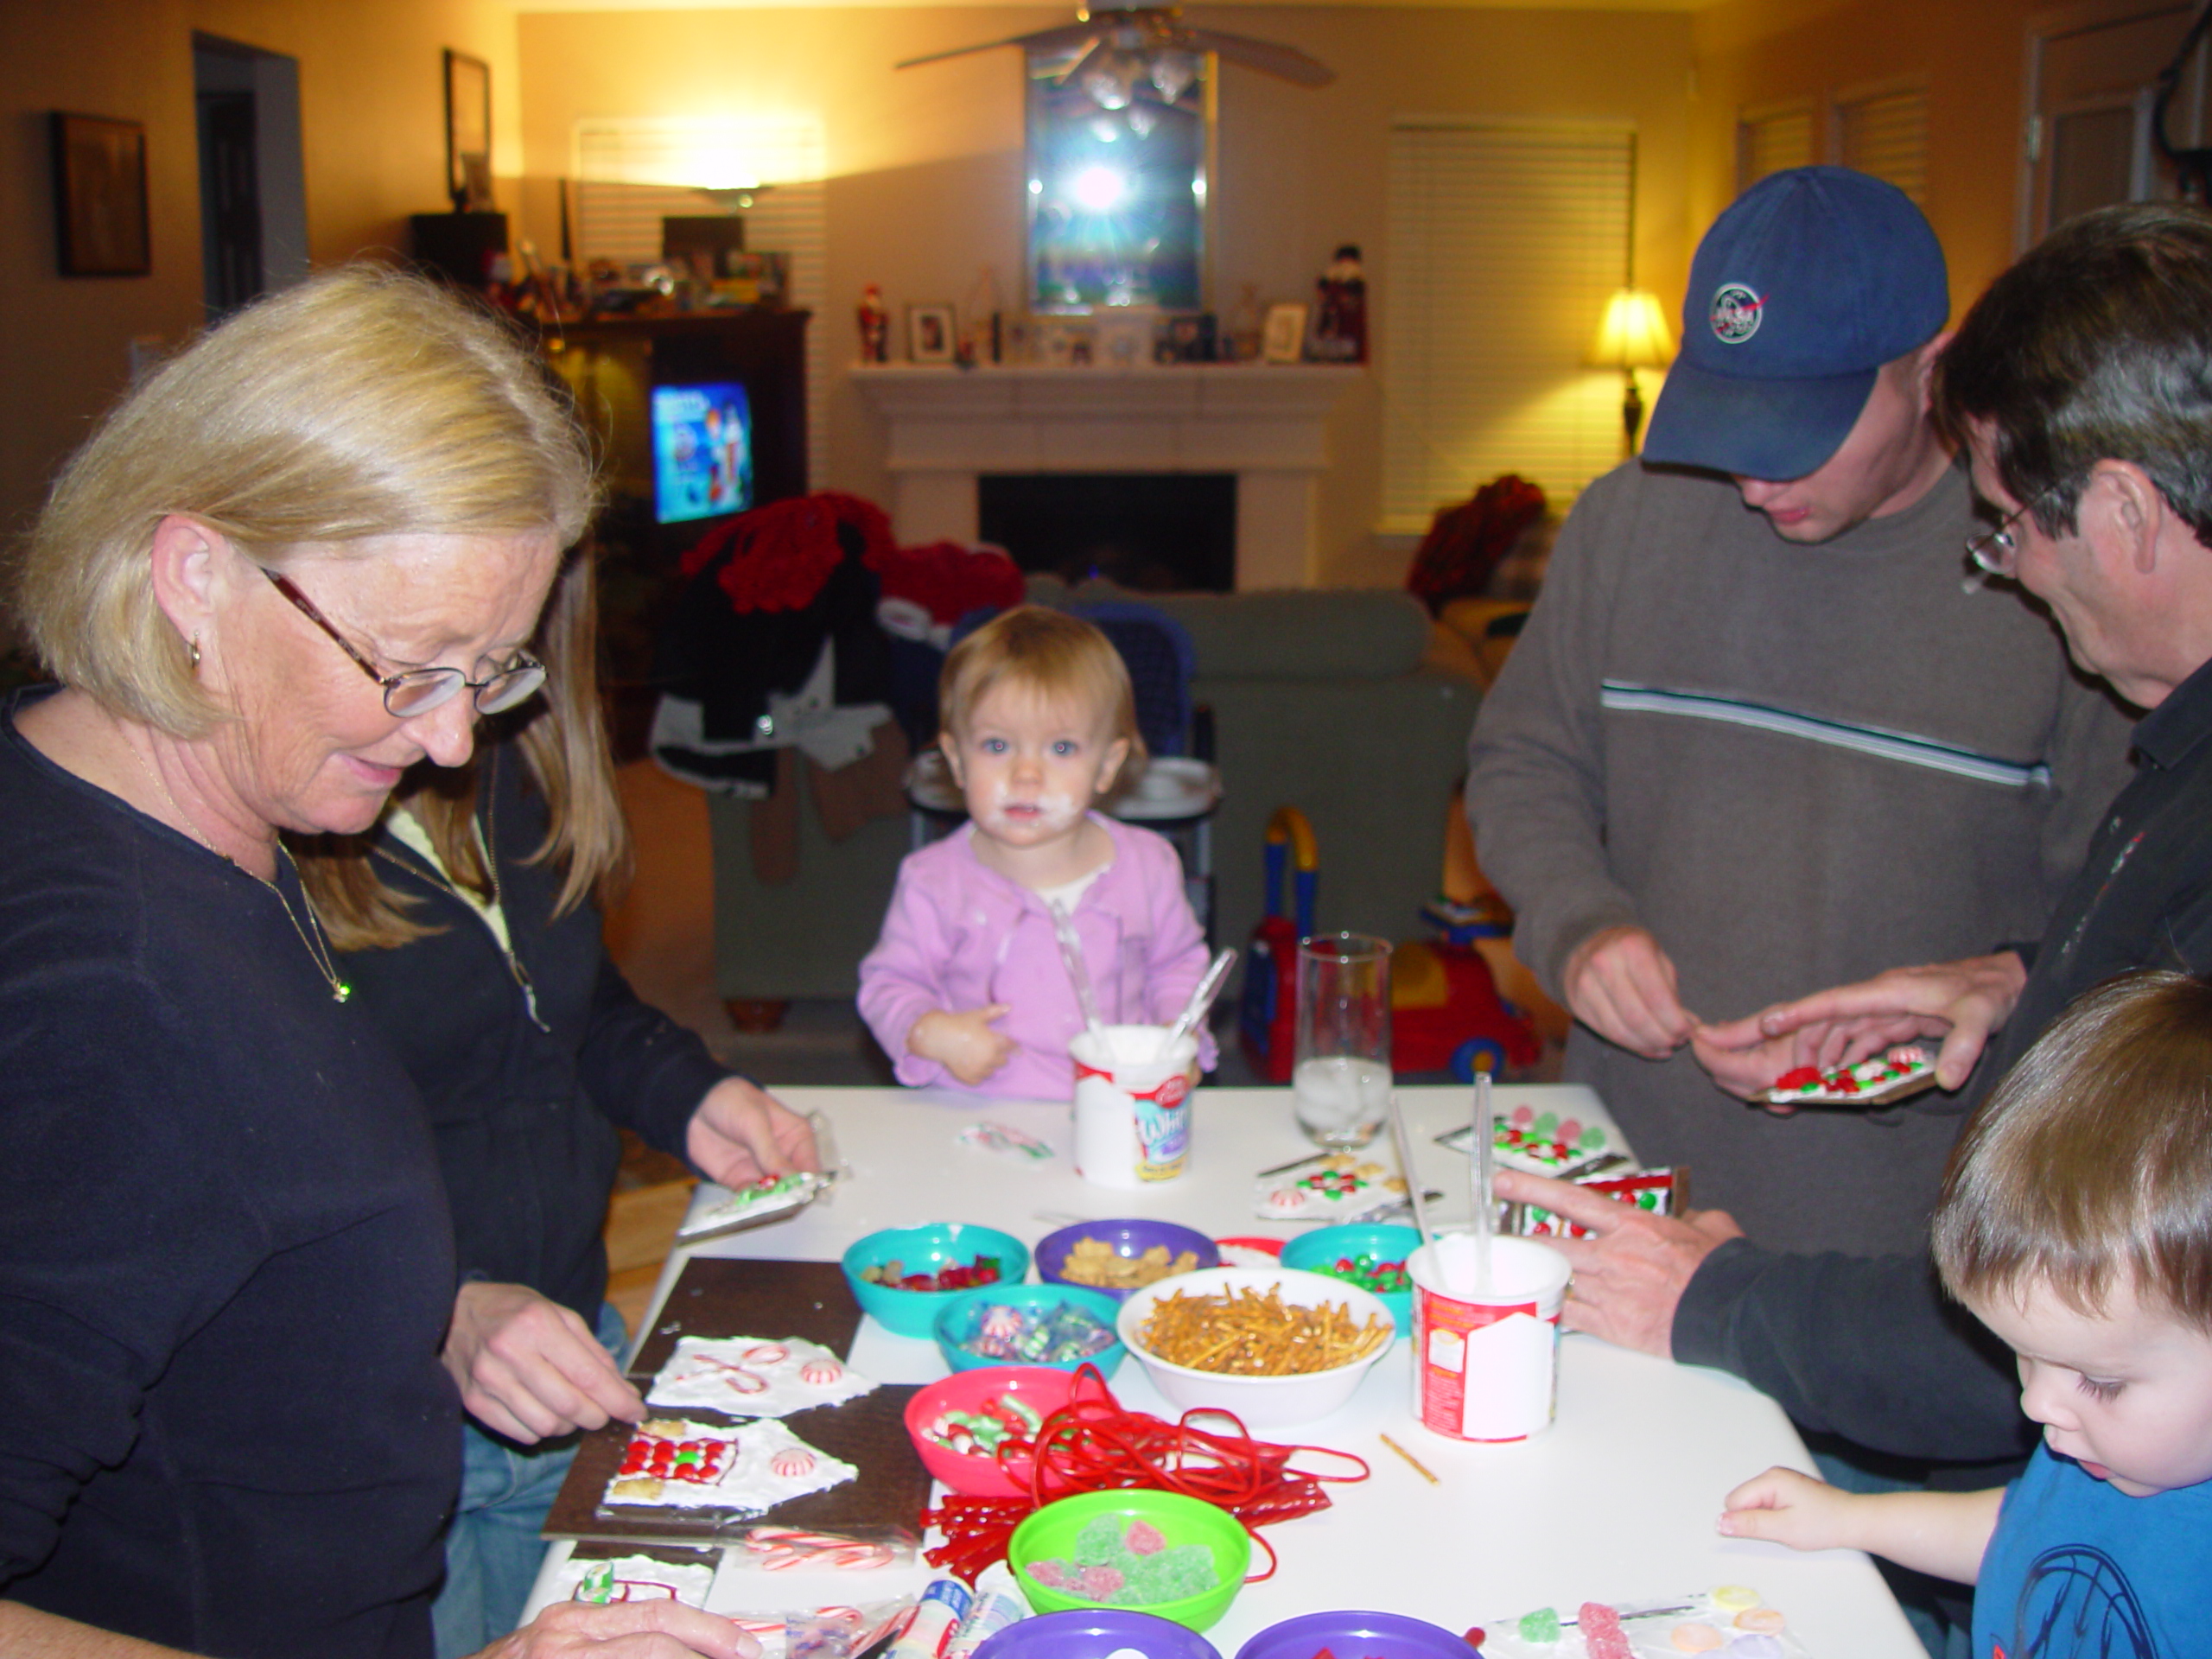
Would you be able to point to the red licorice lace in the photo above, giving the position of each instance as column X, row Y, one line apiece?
column 1092, row 1445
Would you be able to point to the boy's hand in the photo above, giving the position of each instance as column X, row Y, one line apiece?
column 963, row 1043
column 1784, row 1507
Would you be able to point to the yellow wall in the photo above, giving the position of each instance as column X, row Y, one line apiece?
column 1970, row 52
column 373, row 118
column 925, row 163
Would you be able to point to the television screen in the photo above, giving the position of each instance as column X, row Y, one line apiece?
column 702, row 451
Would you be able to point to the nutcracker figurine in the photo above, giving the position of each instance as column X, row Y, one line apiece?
column 1340, row 319
column 875, row 326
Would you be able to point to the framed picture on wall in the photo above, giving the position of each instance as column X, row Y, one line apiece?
column 99, row 196
column 1285, row 339
column 468, row 132
column 929, row 333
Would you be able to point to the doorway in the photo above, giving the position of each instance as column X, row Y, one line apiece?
column 253, row 210
column 2093, row 71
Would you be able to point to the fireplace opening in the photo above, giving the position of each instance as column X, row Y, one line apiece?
column 1155, row 532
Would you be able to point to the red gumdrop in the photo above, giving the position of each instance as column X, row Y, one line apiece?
column 1602, row 1633
column 1144, row 1539
column 917, row 1282
column 1473, row 1636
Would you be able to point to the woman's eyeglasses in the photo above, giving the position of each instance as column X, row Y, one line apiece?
column 418, row 690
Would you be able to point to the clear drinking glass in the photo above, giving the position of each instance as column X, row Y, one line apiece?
column 1340, row 1080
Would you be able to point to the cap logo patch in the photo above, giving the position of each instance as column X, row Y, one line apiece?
column 1735, row 313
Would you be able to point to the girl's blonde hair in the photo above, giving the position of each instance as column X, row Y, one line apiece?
column 362, row 403
column 1047, row 652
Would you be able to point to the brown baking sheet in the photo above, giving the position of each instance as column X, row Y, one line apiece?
column 720, row 1298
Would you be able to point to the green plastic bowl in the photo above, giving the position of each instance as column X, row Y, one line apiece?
column 1051, row 1533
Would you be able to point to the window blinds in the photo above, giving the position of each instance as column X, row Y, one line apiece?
column 1768, row 140
column 632, row 173
column 1505, row 238
column 1886, row 135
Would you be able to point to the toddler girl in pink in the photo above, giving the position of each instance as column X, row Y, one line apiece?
column 966, row 986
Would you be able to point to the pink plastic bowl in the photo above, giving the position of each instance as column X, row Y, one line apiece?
column 1045, row 1390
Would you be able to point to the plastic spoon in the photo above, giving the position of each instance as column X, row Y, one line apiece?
column 1078, row 974
column 1482, row 1170
column 1406, row 1168
column 1201, row 999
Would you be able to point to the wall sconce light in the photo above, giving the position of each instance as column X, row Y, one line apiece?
column 1633, row 335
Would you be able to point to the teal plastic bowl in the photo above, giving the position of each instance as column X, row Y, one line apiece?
column 1319, row 1252
column 956, row 1321
column 1050, row 1535
column 926, row 1249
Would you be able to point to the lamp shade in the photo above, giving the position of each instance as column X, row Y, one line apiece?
column 1634, row 334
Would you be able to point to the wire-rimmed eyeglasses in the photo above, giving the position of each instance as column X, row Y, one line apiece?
column 1997, row 552
column 418, row 690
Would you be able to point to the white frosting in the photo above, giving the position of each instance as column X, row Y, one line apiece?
column 754, row 1376
column 633, row 1578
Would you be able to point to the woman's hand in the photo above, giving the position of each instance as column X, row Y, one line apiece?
column 529, row 1368
column 963, row 1043
column 628, row 1629
column 741, row 1132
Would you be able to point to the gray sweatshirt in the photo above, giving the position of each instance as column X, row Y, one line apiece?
column 1796, row 765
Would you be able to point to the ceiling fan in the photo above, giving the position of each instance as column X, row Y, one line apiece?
column 1156, row 36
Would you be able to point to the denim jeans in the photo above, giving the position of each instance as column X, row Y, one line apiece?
column 492, row 1549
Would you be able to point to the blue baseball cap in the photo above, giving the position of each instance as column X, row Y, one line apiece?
column 1811, row 281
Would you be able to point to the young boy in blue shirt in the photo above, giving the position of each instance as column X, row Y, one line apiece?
column 2076, row 1224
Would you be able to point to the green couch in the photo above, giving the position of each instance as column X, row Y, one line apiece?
column 1348, row 704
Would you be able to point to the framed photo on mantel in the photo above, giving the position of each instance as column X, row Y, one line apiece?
column 99, row 196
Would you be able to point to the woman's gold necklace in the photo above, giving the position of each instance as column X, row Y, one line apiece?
column 311, row 935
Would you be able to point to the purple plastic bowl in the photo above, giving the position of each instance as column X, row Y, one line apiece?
column 1128, row 1238
column 1090, row 1633
column 1371, row 1636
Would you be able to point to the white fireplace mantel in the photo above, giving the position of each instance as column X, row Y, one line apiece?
column 1266, row 423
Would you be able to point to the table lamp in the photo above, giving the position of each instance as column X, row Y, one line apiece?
column 1633, row 335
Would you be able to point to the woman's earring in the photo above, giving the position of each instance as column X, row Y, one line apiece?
column 192, row 650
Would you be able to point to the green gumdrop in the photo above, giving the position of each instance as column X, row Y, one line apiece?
column 1542, row 1625
column 1546, row 1126
column 1172, row 1575
column 1099, row 1543
column 1592, row 1137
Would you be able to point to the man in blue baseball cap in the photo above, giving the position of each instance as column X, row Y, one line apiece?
column 1760, row 737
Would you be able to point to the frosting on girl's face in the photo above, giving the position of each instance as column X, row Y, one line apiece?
column 1030, row 765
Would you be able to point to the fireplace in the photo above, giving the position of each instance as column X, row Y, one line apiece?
column 1156, row 532
column 1263, row 426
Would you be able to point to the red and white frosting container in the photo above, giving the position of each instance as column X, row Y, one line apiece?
column 1486, row 1360
column 1132, row 1105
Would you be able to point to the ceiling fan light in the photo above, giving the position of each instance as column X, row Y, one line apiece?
column 1172, row 72
column 1107, row 82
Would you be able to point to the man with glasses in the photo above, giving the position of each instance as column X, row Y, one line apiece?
column 1761, row 735
column 2082, row 386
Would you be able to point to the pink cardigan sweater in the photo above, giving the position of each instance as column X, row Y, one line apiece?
column 959, row 936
